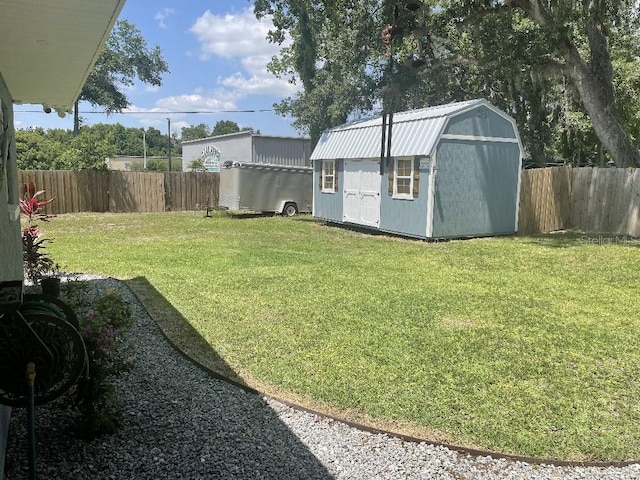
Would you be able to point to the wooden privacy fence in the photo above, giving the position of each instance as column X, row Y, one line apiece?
column 598, row 200
column 544, row 200
column 115, row 191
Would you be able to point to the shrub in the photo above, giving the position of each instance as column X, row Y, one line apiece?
column 37, row 263
column 197, row 165
column 102, row 328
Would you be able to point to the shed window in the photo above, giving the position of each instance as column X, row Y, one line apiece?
column 329, row 180
column 404, row 178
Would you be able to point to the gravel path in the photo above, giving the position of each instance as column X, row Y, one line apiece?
column 179, row 423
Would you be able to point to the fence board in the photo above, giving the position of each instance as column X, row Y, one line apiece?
column 605, row 200
column 587, row 199
column 136, row 192
column 188, row 190
column 580, row 178
column 632, row 201
column 544, row 200
column 116, row 191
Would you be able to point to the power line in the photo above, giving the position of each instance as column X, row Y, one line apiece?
column 163, row 112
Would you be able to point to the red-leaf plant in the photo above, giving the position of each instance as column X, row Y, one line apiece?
column 37, row 263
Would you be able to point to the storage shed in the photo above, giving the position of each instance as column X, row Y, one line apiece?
column 246, row 147
column 453, row 171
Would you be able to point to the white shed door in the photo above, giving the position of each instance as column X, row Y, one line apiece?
column 361, row 192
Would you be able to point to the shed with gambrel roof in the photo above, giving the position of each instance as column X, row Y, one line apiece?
column 451, row 171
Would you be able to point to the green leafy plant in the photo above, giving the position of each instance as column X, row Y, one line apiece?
column 102, row 329
column 197, row 165
column 37, row 263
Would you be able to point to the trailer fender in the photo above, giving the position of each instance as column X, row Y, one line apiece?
column 288, row 208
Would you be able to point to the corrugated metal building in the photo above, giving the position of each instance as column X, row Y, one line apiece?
column 247, row 147
column 453, row 171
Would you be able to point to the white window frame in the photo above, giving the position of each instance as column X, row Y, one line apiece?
column 325, row 176
column 404, row 196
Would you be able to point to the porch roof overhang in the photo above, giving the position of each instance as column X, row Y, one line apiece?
column 48, row 48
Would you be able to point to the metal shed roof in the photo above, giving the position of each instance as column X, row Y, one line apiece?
column 414, row 132
column 242, row 133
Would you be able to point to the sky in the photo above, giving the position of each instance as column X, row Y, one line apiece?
column 217, row 55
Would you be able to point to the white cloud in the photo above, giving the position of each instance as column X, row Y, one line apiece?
column 176, row 127
column 258, row 85
column 193, row 102
column 141, row 110
column 197, row 102
column 256, row 64
column 233, row 35
column 242, row 37
column 162, row 16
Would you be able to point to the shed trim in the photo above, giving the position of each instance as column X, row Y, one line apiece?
column 415, row 132
column 431, row 193
column 470, row 138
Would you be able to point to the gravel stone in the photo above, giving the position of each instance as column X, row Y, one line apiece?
column 180, row 423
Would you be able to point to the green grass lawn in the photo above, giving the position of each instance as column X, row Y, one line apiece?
column 525, row 345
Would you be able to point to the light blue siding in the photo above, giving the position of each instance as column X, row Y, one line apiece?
column 471, row 189
column 328, row 206
column 406, row 217
column 476, row 188
column 480, row 122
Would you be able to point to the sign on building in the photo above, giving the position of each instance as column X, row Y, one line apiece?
column 211, row 158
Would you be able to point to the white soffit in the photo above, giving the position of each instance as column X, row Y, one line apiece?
column 49, row 47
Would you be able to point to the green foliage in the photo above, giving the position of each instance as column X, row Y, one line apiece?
column 112, row 307
column 58, row 149
column 224, row 127
column 89, row 149
column 195, row 132
column 557, row 70
column 524, row 345
column 197, row 165
column 162, row 165
column 37, row 150
column 336, row 56
column 125, row 59
column 103, row 323
column 37, row 263
column 136, row 166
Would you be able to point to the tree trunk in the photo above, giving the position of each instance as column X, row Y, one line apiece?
column 601, row 108
column 593, row 79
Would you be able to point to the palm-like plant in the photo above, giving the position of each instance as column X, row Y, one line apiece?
column 36, row 262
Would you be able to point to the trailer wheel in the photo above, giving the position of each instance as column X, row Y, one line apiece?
column 290, row 209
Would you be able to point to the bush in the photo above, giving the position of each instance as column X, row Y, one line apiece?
column 197, row 165
column 37, row 263
column 102, row 327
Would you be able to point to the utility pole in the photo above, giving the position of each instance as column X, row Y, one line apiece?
column 169, row 132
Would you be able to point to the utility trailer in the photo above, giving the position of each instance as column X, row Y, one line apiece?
column 261, row 187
